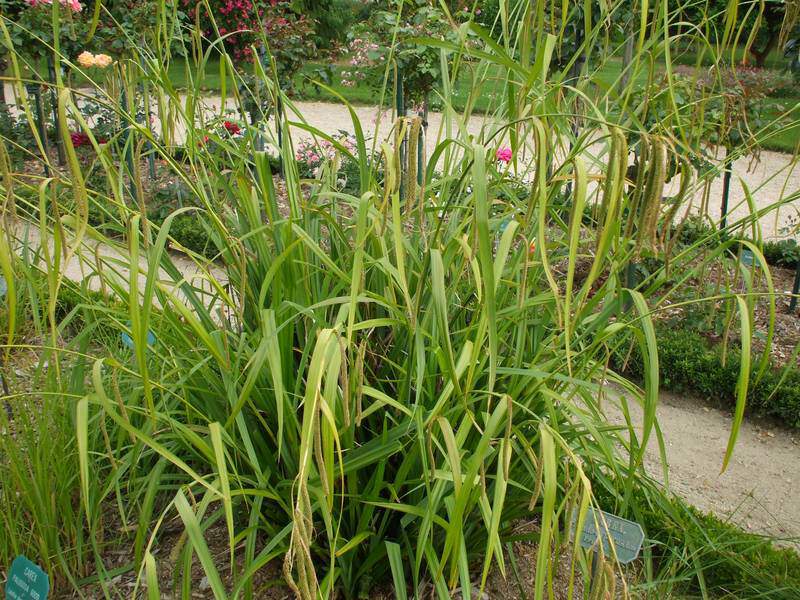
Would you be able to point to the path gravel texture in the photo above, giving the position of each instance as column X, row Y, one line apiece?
column 758, row 491
column 768, row 178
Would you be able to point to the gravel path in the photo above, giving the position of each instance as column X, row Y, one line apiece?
column 772, row 177
column 758, row 491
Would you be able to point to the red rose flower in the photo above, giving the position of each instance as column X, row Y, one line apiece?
column 79, row 139
column 231, row 127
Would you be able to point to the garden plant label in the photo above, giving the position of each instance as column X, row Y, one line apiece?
column 26, row 581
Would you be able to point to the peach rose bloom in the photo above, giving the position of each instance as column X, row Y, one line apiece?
column 86, row 59
column 103, row 60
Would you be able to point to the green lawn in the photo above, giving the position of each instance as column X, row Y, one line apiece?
column 362, row 93
column 774, row 60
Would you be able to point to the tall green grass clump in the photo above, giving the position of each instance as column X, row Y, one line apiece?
column 367, row 389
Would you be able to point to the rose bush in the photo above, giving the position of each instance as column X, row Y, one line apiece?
column 244, row 24
column 31, row 27
column 404, row 21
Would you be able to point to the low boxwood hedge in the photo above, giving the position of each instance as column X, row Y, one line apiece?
column 689, row 362
column 778, row 253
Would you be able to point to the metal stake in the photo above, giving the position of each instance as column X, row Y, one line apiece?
column 401, row 112
column 51, row 70
column 726, row 188
column 127, row 144
column 795, row 288
column 421, row 142
column 35, row 90
column 151, row 162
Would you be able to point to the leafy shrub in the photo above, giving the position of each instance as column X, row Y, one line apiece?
column 419, row 64
column 16, row 134
column 689, row 363
column 311, row 157
column 693, row 229
column 782, row 253
column 245, row 23
column 736, row 105
column 32, row 29
column 191, row 232
column 333, row 19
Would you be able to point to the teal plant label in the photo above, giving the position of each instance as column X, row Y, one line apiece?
column 26, row 581
column 626, row 536
column 127, row 340
column 747, row 257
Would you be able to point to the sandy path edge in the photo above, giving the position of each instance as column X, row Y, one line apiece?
column 759, row 490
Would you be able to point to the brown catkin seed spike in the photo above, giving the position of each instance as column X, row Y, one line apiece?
column 651, row 201
column 399, row 136
column 678, row 199
column 615, row 179
column 638, row 185
column 411, row 163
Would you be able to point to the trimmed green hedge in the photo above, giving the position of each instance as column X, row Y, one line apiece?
column 688, row 362
column 779, row 253
column 784, row 253
column 191, row 233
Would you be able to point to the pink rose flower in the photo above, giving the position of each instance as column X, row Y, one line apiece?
column 504, row 154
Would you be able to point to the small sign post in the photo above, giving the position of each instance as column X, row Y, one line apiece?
column 127, row 340
column 747, row 258
column 26, row 581
column 619, row 537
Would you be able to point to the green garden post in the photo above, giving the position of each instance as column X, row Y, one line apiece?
column 401, row 112
column 51, row 71
column 574, row 76
column 151, row 162
column 257, row 114
column 35, row 90
column 795, row 288
column 726, row 189
column 421, row 141
column 127, row 145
